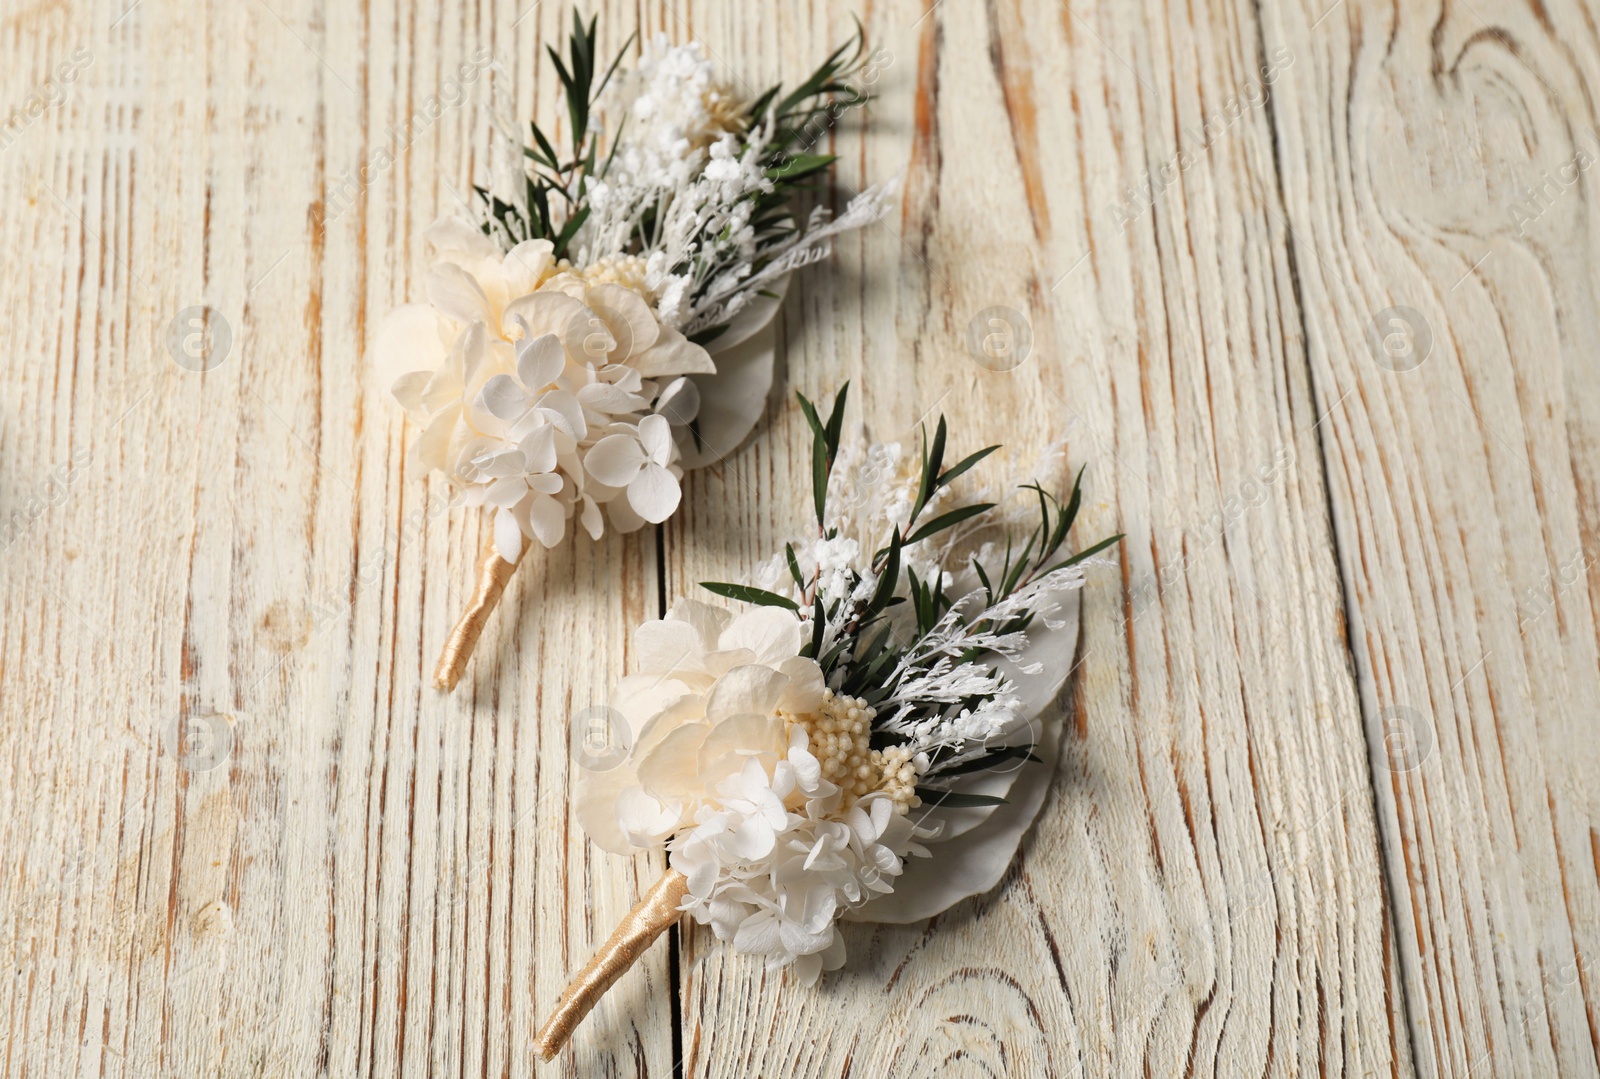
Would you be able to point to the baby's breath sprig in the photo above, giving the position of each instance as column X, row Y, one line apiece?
column 714, row 238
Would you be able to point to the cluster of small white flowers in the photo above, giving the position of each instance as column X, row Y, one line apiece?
column 836, row 562
column 871, row 493
column 775, row 864
column 671, row 107
column 730, row 282
column 684, row 161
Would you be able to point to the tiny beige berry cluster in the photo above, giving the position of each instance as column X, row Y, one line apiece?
column 625, row 270
column 841, row 740
column 724, row 112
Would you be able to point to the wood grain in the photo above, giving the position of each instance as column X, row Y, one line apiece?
column 1423, row 157
column 1183, row 906
column 1324, row 806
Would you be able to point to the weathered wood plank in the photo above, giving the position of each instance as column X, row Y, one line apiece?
column 1184, row 906
column 1436, row 180
column 244, row 837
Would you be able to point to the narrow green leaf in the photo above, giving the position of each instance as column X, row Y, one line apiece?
column 710, row 333
column 1087, row 552
column 606, row 78
column 544, row 145
column 1077, row 497
column 820, row 462
column 747, row 594
column 794, row 566
column 569, row 230
column 889, row 578
column 835, row 652
column 1013, row 578
column 757, row 109
column 932, row 458
column 957, row 800
column 984, row 577
column 797, row 167
column 819, row 477
column 948, row 520
column 966, row 463
column 810, row 411
column 836, row 423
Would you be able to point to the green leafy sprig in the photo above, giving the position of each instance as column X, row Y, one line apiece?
column 549, row 175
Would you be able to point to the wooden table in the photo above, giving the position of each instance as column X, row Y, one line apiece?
column 1311, row 290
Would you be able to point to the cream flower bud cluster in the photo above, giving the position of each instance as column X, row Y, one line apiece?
column 840, row 733
column 724, row 113
column 625, row 270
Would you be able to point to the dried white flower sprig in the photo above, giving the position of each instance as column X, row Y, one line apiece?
column 867, row 742
column 601, row 326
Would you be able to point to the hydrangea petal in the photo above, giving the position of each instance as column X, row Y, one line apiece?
column 454, row 292
column 671, row 769
column 746, row 691
column 758, row 935
column 654, row 493
column 672, row 354
column 595, row 805
column 706, row 620
column 507, row 535
column 655, row 435
column 772, row 633
column 548, row 521
column 407, row 340
column 614, row 460
column 502, row 398
column 679, row 403
column 540, row 360
column 628, row 317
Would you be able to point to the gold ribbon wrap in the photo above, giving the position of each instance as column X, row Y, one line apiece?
column 653, row 915
column 494, row 573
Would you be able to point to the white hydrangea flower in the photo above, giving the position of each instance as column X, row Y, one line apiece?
column 519, row 371
column 773, row 864
column 719, row 778
column 705, row 701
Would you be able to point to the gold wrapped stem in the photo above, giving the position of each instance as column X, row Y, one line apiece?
column 649, row 918
column 494, row 573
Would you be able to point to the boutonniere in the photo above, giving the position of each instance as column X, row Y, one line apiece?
column 601, row 324
column 869, row 741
